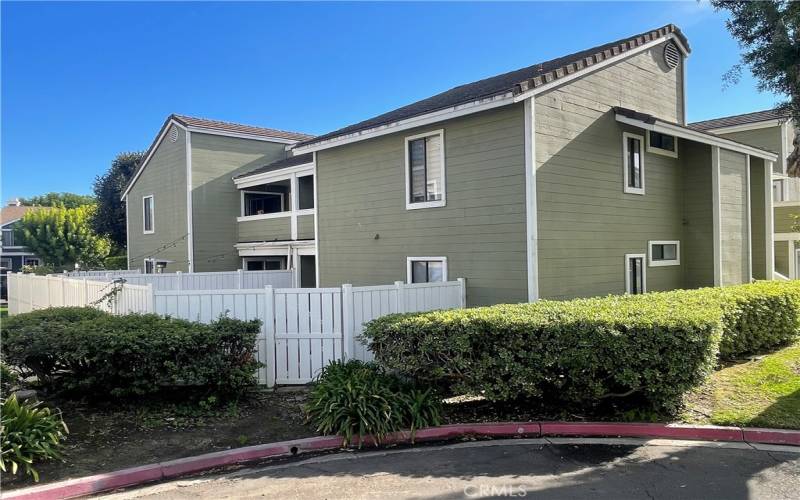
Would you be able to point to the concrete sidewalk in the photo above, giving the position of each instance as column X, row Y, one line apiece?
column 540, row 468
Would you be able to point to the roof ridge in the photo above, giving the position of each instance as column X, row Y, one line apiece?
column 768, row 110
column 515, row 81
column 237, row 124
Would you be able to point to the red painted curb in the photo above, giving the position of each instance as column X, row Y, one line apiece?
column 771, row 436
column 148, row 473
column 672, row 431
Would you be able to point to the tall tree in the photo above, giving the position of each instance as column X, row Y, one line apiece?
column 63, row 236
column 68, row 200
column 768, row 32
column 109, row 219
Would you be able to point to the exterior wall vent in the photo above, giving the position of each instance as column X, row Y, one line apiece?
column 672, row 56
column 173, row 134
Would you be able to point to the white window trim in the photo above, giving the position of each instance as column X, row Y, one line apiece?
column 659, row 151
column 425, row 204
column 152, row 215
column 245, row 191
column 410, row 260
column 658, row 263
column 25, row 261
column 626, row 188
column 629, row 256
column 6, row 263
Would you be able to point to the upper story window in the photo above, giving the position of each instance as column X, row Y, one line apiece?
column 148, row 214
column 425, row 170
column 427, row 269
column 305, row 192
column 633, row 163
column 662, row 144
column 8, row 238
column 778, row 192
column 270, row 198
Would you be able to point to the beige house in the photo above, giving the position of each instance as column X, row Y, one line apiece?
column 571, row 177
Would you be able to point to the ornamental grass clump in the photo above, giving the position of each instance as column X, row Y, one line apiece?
column 356, row 399
column 29, row 434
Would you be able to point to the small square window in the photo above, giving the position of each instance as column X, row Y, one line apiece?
column 427, row 269
column 665, row 253
column 663, row 144
column 632, row 164
column 635, row 274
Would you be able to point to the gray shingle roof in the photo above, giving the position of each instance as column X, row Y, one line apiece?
column 744, row 119
column 237, row 128
column 517, row 81
column 292, row 161
column 650, row 119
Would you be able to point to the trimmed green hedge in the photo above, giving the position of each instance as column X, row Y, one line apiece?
column 655, row 346
column 90, row 352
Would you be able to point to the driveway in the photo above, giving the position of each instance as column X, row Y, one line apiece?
column 536, row 468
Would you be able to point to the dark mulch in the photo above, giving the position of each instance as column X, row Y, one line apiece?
column 105, row 439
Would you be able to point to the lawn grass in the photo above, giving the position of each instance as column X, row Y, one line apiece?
column 761, row 392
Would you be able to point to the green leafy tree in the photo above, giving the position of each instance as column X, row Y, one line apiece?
column 109, row 219
column 64, row 236
column 68, row 200
column 768, row 32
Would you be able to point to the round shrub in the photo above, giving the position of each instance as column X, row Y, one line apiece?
column 572, row 353
column 29, row 433
column 132, row 355
column 354, row 398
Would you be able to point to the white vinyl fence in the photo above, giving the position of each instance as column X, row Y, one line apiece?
column 240, row 280
column 303, row 329
column 28, row 292
column 101, row 273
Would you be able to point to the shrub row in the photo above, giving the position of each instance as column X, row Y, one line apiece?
column 95, row 353
column 656, row 346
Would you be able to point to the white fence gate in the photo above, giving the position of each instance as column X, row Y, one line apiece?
column 303, row 329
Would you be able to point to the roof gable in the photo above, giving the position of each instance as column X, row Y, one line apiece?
column 514, row 82
column 743, row 119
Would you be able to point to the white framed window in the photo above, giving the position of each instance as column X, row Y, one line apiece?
column 632, row 163
column 267, row 263
column 262, row 203
column 662, row 144
column 664, row 253
column 31, row 261
column 426, row 269
column 779, row 190
column 6, row 264
column 148, row 214
column 8, row 238
column 635, row 273
column 425, row 170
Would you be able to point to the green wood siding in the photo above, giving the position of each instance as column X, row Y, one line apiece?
column 164, row 177
column 277, row 229
column 757, row 215
column 782, row 253
column 305, row 227
column 366, row 233
column 586, row 222
column 768, row 138
column 215, row 200
column 697, row 249
column 733, row 217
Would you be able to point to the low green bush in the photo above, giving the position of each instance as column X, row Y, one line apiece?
column 29, row 433
column 358, row 399
column 574, row 353
column 90, row 352
column 655, row 346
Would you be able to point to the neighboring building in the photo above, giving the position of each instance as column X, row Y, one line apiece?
column 182, row 204
column 775, row 131
column 573, row 177
column 13, row 255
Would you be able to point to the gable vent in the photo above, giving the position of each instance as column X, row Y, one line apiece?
column 173, row 134
column 672, row 57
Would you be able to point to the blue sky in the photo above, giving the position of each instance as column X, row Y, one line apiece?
column 82, row 82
